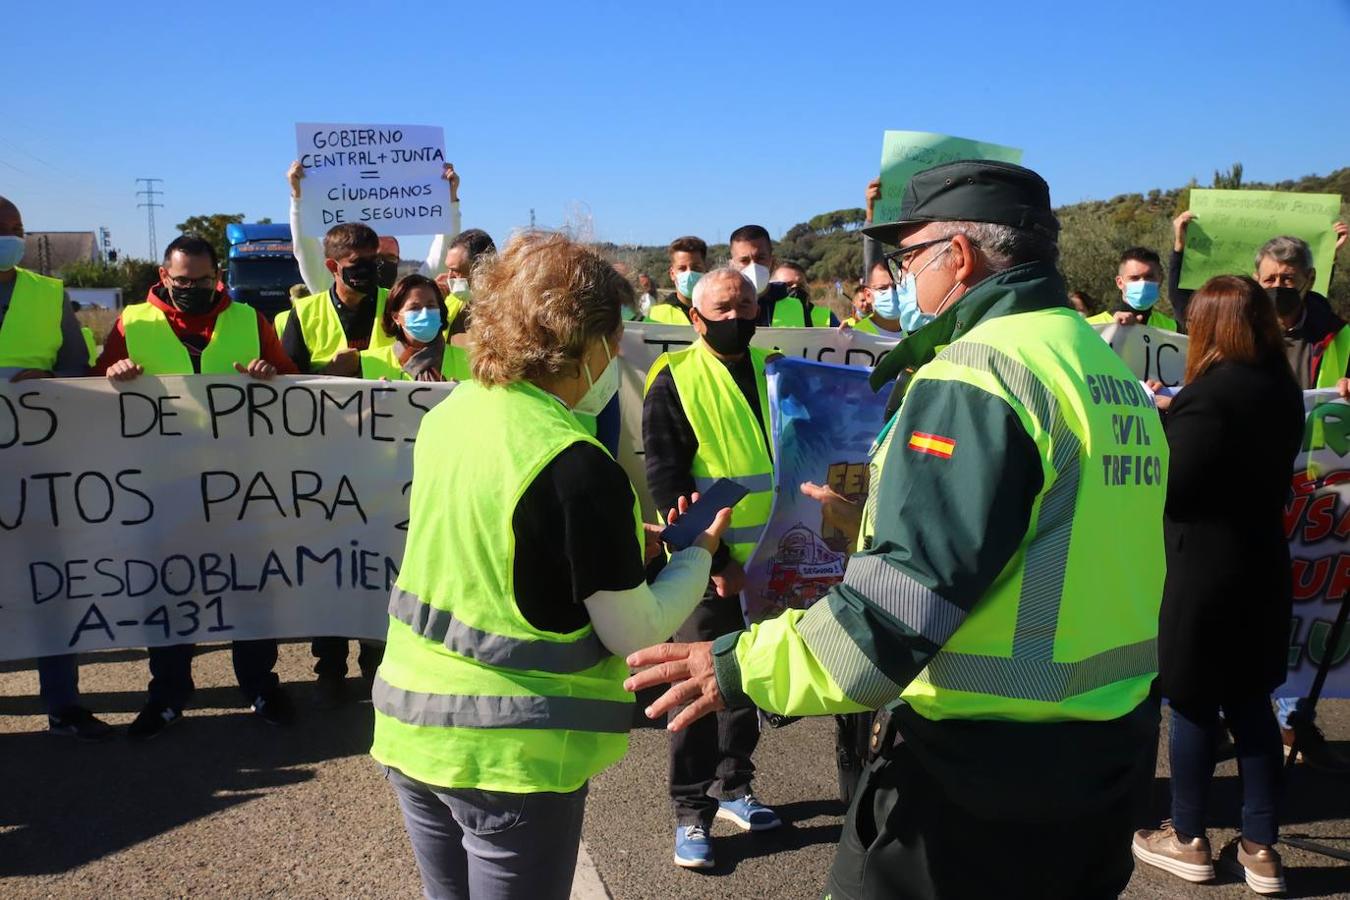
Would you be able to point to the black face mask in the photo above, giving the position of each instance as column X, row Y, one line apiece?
column 363, row 276
column 193, row 300
column 387, row 273
column 1288, row 301
column 729, row 337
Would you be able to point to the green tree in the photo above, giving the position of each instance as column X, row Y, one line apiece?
column 133, row 276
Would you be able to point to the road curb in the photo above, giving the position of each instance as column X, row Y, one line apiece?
column 586, row 883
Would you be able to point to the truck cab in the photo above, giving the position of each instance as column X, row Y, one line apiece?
column 262, row 267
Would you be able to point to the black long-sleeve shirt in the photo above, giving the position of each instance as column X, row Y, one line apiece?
column 669, row 443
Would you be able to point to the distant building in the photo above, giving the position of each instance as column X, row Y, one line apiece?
column 48, row 252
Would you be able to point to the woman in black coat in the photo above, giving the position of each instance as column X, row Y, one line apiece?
column 1223, row 637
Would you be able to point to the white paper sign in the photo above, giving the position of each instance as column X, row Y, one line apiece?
column 187, row 509
column 384, row 176
column 1151, row 353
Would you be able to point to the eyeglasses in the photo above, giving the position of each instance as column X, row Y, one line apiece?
column 184, row 282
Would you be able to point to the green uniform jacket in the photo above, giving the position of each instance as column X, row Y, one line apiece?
column 942, row 568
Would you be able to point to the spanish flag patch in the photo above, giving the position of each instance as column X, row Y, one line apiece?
column 934, row 444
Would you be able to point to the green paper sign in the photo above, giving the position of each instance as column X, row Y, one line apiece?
column 903, row 153
column 1230, row 226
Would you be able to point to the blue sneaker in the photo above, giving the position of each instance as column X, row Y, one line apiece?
column 693, row 847
column 748, row 814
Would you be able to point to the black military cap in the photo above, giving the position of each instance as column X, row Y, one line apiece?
column 973, row 190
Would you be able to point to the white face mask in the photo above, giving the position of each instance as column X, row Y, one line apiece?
column 602, row 389
column 457, row 286
column 758, row 276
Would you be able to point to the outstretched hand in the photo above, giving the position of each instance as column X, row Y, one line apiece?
column 688, row 668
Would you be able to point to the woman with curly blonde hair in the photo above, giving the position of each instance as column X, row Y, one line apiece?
column 522, row 587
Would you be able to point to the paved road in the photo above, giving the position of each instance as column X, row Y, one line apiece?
column 222, row 805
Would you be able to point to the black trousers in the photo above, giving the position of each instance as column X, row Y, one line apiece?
column 905, row 839
column 171, row 671
column 330, row 654
column 710, row 760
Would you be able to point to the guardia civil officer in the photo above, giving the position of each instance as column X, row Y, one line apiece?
column 1013, row 659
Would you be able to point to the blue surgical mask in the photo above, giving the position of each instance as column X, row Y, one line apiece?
column 1141, row 295
column 886, row 303
column 422, row 324
column 907, row 298
column 11, row 251
column 685, row 281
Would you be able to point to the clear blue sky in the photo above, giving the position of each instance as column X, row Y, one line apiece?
column 665, row 119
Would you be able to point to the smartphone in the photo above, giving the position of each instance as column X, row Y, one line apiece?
column 723, row 494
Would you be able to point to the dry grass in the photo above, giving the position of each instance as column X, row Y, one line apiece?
column 97, row 319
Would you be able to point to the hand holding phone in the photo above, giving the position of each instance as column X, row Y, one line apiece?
column 691, row 521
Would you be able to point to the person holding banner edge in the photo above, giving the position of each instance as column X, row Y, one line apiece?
column 189, row 326
column 41, row 338
column 1024, row 658
column 705, row 416
column 1139, row 277
column 500, row 694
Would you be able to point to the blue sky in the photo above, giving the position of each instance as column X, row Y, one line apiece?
column 664, row 119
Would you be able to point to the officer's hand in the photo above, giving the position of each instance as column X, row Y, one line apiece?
column 1343, row 388
column 124, row 370
column 836, row 510
column 260, row 369
column 730, row 581
column 1342, row 232
column 872, row 195
column 345, row 362
column 1179, row 230
column 293, row 175
column 449, row 174
column 1127, row 318
column 689, row 667
column 30, row 374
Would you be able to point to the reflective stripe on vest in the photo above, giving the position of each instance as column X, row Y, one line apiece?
column 322, row 329
column 152, row 344
column 668, row 314
column 382, row 363
column 790, row 312
column 731, row 443
column 470, row 694
column 1335, row 359
column 30, row 334
column 1060, row 622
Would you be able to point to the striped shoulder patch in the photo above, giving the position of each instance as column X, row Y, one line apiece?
column 934, row 444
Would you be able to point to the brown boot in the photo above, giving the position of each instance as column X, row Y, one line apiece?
column 1164, row 848
column 1262, row 866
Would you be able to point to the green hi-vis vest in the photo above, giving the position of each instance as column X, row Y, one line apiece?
column 322, row 329
column 153, row 346
column 279, row 321
column 30, row 335
column 864, row 325
column 1335, row 358
column 455, row 365
column 667, row 314
column 1155, row 320
column 454, row 305
column 731, row 443
column 470, row 694
column 792, row 315
column 382, row 363
column 1065, row 632
column 90, row 344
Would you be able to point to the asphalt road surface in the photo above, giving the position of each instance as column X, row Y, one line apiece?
column 223, row 805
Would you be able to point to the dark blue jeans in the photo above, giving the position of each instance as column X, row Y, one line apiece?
column 1256, row 735
column 171, row 671
column 58, row 682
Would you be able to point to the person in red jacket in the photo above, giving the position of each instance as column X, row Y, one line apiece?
column 192, row 299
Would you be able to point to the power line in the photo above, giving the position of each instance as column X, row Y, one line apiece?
column 150, row 193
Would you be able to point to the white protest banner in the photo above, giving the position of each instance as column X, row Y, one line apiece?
column 186, row 509
column 1151, row 353
column 644, row 342
column 384, row 176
